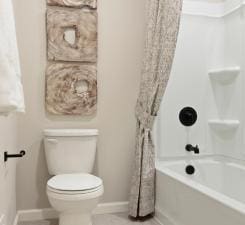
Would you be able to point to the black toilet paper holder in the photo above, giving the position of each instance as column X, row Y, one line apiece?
column 20, row 155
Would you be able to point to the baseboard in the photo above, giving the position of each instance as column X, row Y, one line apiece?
column 16, row 219
column 49, row 213
column 111, row 207
column 158, row 221
column 163, row 219
column 36, row 214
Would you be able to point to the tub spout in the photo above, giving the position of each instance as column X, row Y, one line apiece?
column 190, row 148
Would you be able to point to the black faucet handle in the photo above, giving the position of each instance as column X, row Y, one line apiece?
column 190, row 148
column 196, row 150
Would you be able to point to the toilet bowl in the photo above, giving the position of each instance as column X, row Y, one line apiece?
column 73, row 191
column 74, row 196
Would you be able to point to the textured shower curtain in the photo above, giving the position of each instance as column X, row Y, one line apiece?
column 162, row 33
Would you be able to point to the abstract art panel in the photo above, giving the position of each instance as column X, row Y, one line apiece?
column 73, row 3
column 71, row 89
column 72, row 35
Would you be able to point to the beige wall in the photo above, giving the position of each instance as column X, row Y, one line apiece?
column 8, row 142
column 121, row 34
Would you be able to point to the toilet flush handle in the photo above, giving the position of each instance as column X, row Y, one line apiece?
column 52, row 141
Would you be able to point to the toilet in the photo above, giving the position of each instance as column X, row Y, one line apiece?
column 72, row 191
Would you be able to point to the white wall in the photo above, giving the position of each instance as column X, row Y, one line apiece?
column 205, row 43
column 198, row 48
column 121, row 41
column 234, row 48
column 8, row 142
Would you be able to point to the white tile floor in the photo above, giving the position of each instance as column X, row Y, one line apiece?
column 103, row 219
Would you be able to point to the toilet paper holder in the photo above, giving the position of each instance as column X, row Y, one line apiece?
column 20, row 155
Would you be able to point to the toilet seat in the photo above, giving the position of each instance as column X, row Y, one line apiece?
column 80, row 183
column 55, row 191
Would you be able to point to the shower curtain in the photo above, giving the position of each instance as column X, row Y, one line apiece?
column 162, row 32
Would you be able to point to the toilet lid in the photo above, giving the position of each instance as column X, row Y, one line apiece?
column 74, row 182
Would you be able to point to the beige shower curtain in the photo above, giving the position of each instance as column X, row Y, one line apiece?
column 162, row 32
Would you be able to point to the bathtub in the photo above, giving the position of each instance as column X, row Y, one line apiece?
column 213, row 195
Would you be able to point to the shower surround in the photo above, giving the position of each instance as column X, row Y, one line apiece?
column 209, row 60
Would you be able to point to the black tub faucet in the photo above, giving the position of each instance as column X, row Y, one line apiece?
column 190, row 148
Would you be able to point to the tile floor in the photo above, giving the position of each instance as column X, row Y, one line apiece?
column 103, row 219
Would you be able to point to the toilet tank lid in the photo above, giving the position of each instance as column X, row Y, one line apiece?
column 70, row 132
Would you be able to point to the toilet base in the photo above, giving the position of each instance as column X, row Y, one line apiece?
column 74, row 208
column 75, row 219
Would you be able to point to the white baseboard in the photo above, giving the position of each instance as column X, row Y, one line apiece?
column 2, row 219
column 163, row 219
column 111, row 207
column 49, row 213
column 36, row 214
column 16, row 219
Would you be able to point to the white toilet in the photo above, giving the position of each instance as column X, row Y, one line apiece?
column 73, row 192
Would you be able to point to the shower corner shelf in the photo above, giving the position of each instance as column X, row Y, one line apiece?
column 225, row 75
column 224, row 125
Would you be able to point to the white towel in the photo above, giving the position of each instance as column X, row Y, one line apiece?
column 11, row 91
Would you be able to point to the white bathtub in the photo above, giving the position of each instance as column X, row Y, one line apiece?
column 214, row 195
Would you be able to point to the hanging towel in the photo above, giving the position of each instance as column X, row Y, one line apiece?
column 11, row 90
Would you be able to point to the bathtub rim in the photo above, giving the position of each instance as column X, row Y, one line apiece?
column 213, row 194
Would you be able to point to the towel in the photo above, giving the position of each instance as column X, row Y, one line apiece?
column 11, row 90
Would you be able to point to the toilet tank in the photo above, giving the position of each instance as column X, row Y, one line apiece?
column 70, row 150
